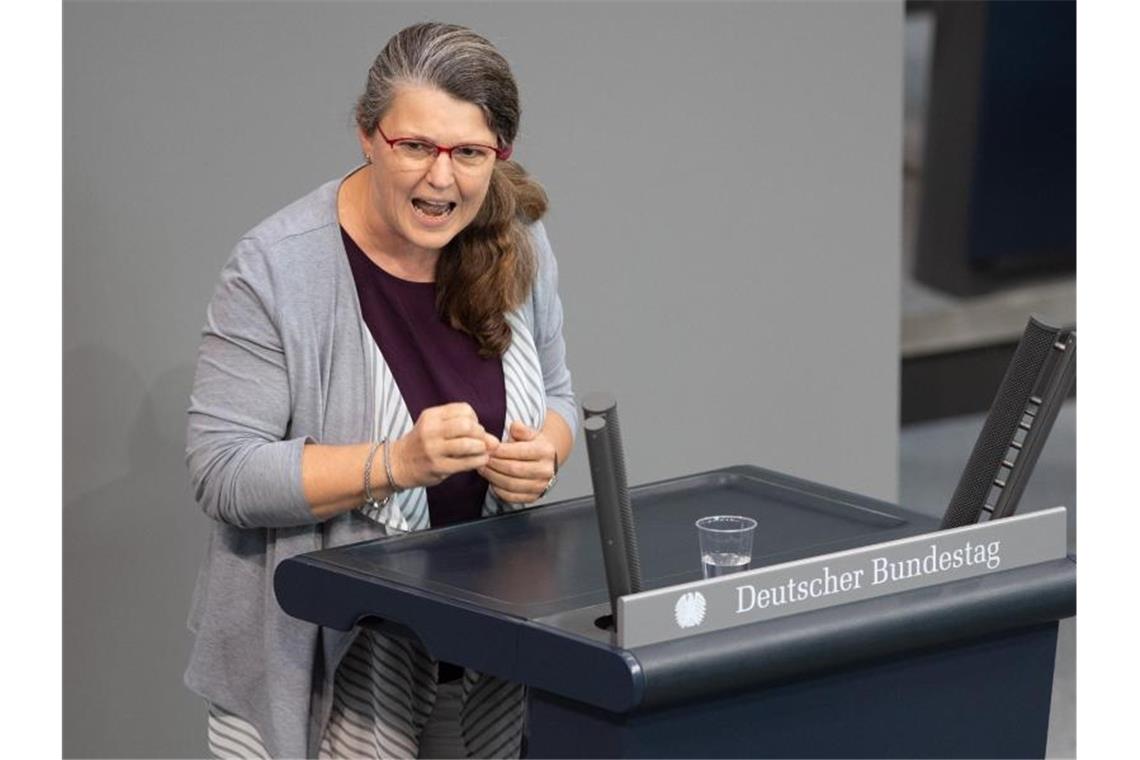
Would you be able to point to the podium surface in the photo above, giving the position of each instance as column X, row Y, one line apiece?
column 518, row 596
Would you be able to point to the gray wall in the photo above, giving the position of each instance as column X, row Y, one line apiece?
column 725, row 208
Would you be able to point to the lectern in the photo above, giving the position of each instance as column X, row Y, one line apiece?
column 956, row 669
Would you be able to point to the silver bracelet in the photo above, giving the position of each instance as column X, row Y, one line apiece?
column 388, row 471
column 369, row 499
column 553, row 479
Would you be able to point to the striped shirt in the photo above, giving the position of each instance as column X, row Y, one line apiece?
column 383, row 701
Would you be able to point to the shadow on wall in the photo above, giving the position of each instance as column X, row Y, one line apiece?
column 128, row 548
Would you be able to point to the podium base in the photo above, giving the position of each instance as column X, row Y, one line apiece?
column 985, row 698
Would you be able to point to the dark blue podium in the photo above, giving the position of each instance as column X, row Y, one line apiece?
column 960, row 669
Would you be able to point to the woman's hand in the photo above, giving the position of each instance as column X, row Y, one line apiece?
column 445, row 440
column 520, row 470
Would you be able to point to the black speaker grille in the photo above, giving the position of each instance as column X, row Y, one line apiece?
column 1000, row 426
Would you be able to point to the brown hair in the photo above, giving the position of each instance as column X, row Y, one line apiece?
column 488, row 269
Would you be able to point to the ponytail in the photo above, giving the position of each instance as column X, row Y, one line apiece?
column 489, row 268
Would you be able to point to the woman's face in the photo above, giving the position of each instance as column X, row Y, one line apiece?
column 408, row 196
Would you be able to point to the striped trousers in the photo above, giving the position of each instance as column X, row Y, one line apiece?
column 384, row 697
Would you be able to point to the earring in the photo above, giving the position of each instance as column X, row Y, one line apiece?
column 368, row 157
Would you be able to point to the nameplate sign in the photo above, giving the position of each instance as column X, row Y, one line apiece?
column 867, row 572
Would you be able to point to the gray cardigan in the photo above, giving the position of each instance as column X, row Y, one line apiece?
column 282, row 362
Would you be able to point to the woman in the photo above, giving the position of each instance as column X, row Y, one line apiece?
column 384, row 354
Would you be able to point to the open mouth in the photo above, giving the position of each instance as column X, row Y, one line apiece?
column 432, row 209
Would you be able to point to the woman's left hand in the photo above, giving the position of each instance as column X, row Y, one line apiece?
column 520, row 469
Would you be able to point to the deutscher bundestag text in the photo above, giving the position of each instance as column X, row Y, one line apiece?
column 880, row 570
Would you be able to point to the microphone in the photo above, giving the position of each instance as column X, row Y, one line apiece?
column 1035, row 385
column 611, row 496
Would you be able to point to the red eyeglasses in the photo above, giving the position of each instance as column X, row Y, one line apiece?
column 415, row 151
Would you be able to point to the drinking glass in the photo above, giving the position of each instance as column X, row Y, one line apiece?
column 726, row 544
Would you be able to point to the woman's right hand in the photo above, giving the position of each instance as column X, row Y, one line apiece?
column 445, row 440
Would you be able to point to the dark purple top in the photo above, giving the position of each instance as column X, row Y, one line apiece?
column 432, row 364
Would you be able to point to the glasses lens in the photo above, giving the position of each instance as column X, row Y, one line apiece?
column 414, row 151
column 472, row 156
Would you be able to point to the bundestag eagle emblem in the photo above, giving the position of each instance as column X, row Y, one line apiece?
column 690, row 609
